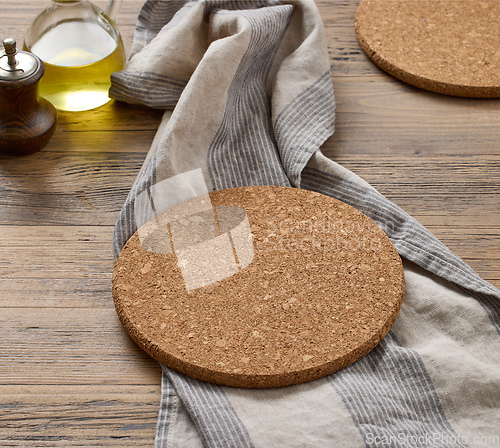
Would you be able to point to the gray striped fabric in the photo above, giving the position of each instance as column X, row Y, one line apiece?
column 392, row 378
column 244, row 143
column 249, row 100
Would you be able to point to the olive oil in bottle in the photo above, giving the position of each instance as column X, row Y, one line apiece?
column 79, row 57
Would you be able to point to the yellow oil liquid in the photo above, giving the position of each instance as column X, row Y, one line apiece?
column 79, row 58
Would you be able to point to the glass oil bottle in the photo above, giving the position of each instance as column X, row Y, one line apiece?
column 80, row 47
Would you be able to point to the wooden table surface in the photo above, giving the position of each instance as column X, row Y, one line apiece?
column 69, row 374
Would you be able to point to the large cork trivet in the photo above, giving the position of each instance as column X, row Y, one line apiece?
column 324, row 286
column 445, row 46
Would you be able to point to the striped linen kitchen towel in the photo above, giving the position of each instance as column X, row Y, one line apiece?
column 248, row 99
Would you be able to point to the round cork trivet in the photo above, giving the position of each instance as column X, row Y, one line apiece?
column 444, row 46
column 324, row 286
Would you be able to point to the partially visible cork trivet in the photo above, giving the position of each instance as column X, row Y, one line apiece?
column 324, row 286
column 445, row 46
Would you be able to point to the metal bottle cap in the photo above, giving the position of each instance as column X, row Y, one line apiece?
column 15, row 65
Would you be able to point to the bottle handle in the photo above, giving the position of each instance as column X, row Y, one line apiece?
column 113, row 9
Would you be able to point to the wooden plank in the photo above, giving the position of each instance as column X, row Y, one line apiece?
column 112, row 117
column 103, row 415
column 461, row 180
column 54, row 188
column 82, row 177
column 44, row 346
column 55, row 252
column 91, row 292
column 375, row 117
column 346, row 56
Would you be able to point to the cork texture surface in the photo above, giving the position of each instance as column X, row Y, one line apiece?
column 444, row 46
column 317, row 285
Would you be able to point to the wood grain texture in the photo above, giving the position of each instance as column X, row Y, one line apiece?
column 70, row 346
column 69, row 374
column 83, row 415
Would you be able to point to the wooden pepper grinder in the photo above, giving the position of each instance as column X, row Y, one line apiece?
column 27, row 121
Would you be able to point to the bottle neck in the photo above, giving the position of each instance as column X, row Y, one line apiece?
column 113, row 9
